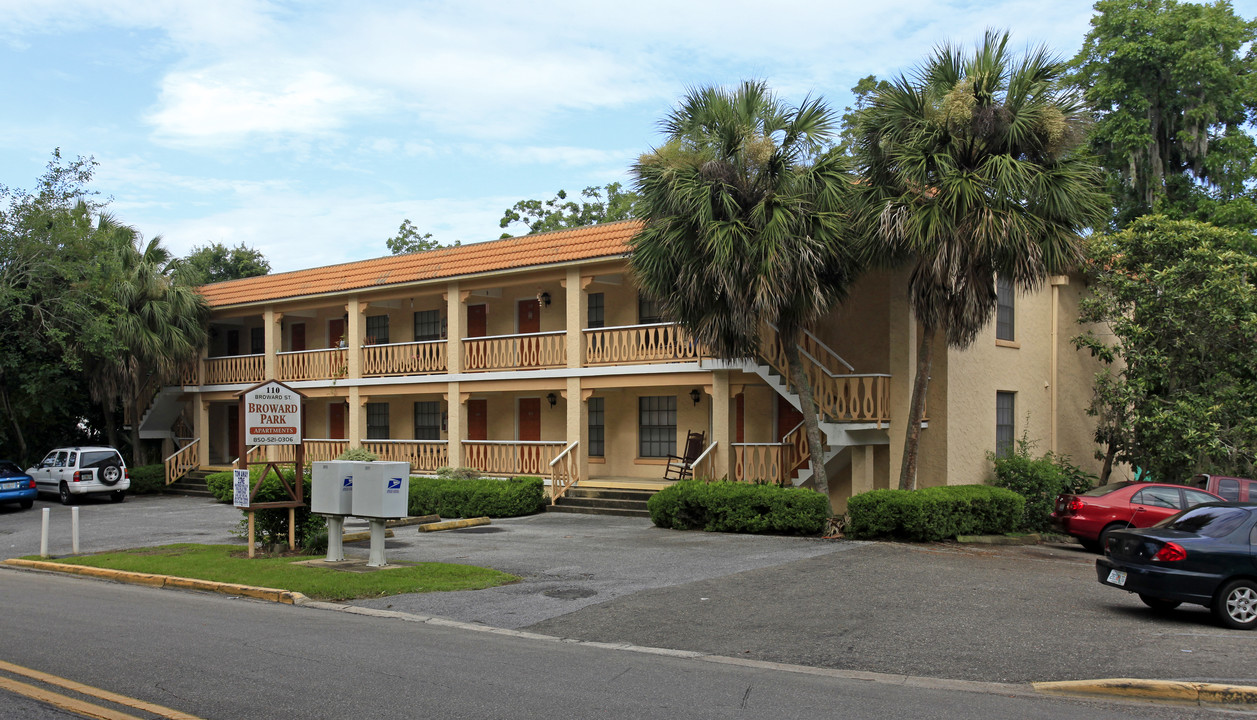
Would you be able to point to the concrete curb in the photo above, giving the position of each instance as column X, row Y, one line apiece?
column 1191, row 693
column 287, row 597
column 454, row 524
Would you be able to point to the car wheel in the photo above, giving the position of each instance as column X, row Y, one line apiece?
column 1236, row 605
column 66, row 498
column 117, row 496
column 1104, row 534
column 1159, row 604
column 27, row 504
column 109, row 475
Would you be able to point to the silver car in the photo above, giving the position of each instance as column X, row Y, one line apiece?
column 67, row 472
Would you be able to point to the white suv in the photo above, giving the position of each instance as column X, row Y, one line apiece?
column 82, row 471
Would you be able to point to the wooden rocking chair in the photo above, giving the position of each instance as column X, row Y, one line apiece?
column 682, row 466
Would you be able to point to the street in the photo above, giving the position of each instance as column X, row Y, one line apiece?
column 217, row 657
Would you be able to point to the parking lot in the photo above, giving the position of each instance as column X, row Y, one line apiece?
column 1005, row 614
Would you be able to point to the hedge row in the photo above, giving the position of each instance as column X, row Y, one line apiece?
column 147, row 479
column 935, row 513
column 739, row 507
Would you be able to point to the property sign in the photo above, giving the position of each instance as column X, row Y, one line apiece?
column 272, row 415
column 240, row 487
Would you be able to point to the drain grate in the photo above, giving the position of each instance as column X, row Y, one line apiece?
column 570, row 593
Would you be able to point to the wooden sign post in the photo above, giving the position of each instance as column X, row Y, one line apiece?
column 270, row 414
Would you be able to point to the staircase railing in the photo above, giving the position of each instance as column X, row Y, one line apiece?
column 702, row 465
column 564, row 472
column 143, row 401
column 795, row 454
column 182, row 461
column 838, row 397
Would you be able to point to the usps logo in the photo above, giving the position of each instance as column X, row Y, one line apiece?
column 349, row 483
column 394, row 486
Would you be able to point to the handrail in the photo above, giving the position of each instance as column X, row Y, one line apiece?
column 508, row 442
column 828, row 349
column 629, row 327
column 380, row 440
column 704, row 453
column 181, row 461
column 315, row 350
column 223, row 357
column 561, row 482
column 396, row 344
column 516, row 335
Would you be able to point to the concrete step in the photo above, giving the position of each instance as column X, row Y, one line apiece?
column 596, row 511
column 191, row 484
column 604, row 501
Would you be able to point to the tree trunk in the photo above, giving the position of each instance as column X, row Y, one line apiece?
column 111, row 428
column 811, row 420
column 137, row 449
column 916, row 411
column 17, row 427
column 1108, row 463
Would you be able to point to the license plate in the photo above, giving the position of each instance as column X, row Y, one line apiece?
column 11, row 486
column 1117, row 577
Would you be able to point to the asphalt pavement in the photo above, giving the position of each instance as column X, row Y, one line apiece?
column 945, row 610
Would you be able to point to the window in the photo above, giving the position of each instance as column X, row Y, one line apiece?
column 1004, row 413
column 597, row 436
column 428, row 325
column 1005, row 328
column 597, row 311
column 648, row 311
column 377, row 329
column 428, row 421
column 1158, row 497
column 377, row 421
column 1195, row 497
column 657, row 426
column 233, row 342
column 257, row 340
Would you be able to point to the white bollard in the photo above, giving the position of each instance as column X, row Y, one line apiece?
column 376, row 558
column 335, row 531
column 43, row 535
column 74, row 528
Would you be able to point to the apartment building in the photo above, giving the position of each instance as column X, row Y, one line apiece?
column 537, row 355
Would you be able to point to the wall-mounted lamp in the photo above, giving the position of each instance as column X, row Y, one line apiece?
column 696, row 395
column 543, row 297
column 552, row 399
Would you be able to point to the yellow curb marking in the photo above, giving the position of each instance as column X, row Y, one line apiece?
column 164, row 581
column 1169, row 690
column 79, row 706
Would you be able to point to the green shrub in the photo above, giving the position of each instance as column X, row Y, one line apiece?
column 739, row 507
column 935, row 513
column 1039, row 481
column 460, row 473
column 271, row 524
column 147, row 479
column 358, row 455
column 491, row 497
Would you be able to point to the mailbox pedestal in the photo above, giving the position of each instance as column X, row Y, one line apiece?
column 381, row 491
column 331, row 495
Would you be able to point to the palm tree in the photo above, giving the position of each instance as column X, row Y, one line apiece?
column 973, row 169
column 161, row 324
column 745, row 225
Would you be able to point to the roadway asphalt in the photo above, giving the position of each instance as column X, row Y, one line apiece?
column 967, row 612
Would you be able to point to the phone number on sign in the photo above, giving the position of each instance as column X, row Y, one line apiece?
column 272, row 440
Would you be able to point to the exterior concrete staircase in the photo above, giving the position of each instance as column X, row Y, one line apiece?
column 191, row 484
column 603, row 501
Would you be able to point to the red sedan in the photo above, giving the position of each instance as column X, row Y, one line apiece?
column 1092, row 515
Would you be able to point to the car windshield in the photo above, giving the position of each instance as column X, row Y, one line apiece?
column 1105, row 489
column 1212, row 522
column 8, row 469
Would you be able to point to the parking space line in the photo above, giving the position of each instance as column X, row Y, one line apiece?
column 80, row 706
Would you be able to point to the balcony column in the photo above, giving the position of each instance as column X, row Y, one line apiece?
column 200, row 429
column 456, row 423
column 355, row 335
column 272, row 335
column 357, row 417
column 577, row 310
column 578, row 424
column 455, row 329
column 723, row 418
column 863, row 475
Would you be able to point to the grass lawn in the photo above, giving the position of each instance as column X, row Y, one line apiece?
column 228, row 563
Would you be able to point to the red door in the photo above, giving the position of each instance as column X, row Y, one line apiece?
column 477, row 326
column 299, row 337
column 233, row 342
column 477, row 420
column 530, row 431
column 528, row 318
column 335, row 332
column 336, row 421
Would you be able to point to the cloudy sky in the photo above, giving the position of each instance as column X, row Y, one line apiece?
column 309, row 130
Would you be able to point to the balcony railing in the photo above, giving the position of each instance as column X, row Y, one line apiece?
column 759, row 462
column 633, row 344
column 234, row 369
column 412, row 358
column 423, row 455
column 329, row 364
column 510, row 457
column 515, row 352
column 838, row 397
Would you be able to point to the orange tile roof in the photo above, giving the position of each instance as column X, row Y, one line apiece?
column 585, row 243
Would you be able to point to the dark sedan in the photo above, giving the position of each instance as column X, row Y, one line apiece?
column 16, row 486
column 1205, row 556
